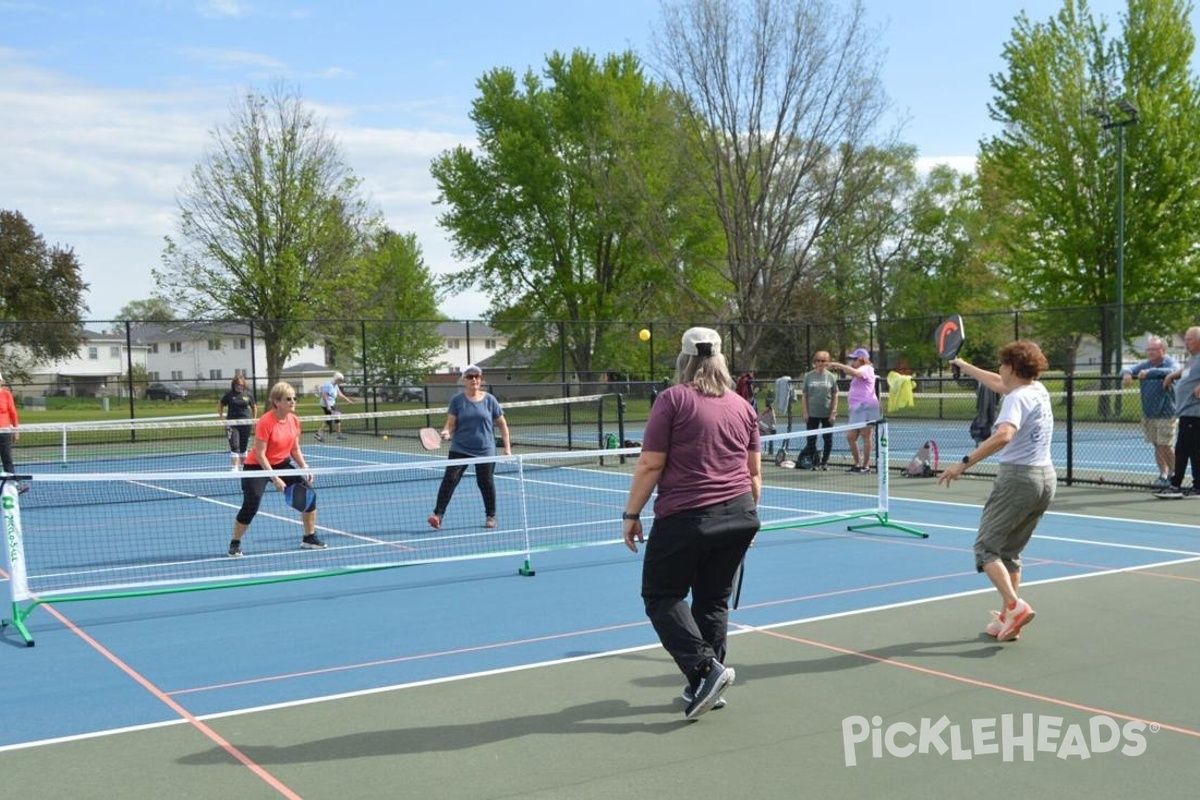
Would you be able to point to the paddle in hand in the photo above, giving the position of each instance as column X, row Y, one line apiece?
column 430, row 439
column 301, row 497
column 949, row 339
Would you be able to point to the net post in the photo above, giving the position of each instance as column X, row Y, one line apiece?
column 882, row 462
column 526, row 570
column 14, row 551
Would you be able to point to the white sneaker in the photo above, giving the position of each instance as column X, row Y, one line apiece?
column 994, row 627
column 1013, row 619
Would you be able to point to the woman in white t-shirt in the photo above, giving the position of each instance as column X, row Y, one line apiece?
column 1025, row 482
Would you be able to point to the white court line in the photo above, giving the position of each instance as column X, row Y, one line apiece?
column 740, row 628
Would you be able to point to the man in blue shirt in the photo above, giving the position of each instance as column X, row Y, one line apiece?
column 1158, row 406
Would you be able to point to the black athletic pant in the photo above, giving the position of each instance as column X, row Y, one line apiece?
column 810, row 447
column 6, row 443
column 484, row 473
column 1187, row 449
column 696, row 551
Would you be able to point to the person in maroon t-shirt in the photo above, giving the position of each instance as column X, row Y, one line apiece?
column 701, row 451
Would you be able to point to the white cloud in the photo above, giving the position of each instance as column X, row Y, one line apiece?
column 98, row 170
column 227, row 59
column 223, row 8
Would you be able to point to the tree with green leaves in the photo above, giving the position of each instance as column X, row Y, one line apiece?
column 41, row 297
column 152, row 309
column 271, row 223
column 1049, row 178
column 400, row 299
column 784, row 99
column 573, row 207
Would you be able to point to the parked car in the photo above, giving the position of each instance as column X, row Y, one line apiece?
column 407, row 392
column 166, row 391
column 390, row 394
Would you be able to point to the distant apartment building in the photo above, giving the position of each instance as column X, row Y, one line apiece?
column 209, row 354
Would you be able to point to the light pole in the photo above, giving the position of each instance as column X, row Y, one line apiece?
column 1108, row 123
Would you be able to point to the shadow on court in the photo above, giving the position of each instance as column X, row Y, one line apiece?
column 906, row 700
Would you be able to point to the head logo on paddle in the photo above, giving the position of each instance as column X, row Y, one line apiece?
column 949, row 339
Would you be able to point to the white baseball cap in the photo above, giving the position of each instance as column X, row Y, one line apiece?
column 695, row 338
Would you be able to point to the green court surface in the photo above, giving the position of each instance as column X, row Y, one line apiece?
column 1099, row 698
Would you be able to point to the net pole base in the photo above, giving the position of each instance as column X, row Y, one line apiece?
column 18, row 622
column 881, row 521
column 527, row 569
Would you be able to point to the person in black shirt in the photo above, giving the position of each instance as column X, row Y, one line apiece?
column 238, row 403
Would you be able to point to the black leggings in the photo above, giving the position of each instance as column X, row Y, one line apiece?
column 6, row 443
column 253, row 488
column 483, row 479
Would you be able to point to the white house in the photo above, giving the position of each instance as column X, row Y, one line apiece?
column 466, row 343
column 94, row 370
column 209, row 354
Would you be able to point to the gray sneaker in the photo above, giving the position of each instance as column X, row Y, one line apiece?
column 712, row 685
column 311, row 542
column 1169, row 493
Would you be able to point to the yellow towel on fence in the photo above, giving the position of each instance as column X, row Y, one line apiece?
column 900, row 391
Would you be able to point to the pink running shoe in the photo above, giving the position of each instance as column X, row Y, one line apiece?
column 994, row 627
column 1013, row 620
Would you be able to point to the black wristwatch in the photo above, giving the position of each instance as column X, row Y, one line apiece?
column 966, row 459
column 626, row 515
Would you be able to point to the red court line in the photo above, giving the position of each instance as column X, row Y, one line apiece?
column 418, row 657
column 996, row 687
column 568, row 634
column 162, row 696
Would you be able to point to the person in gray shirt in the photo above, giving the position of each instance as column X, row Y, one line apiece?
column 1186, row 382
column 819, row 391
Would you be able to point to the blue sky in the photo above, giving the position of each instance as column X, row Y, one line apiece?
column 106, row 105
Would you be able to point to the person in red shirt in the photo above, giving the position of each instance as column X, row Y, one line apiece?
column 8, row 431
column 276, row 447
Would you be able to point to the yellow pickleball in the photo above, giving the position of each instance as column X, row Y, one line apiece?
column 644, row 334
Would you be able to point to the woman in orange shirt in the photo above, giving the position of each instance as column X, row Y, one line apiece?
column 276, row 447
column 8, row 431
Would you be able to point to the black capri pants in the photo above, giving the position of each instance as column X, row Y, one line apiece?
column 253, row 487
column 239, row 438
